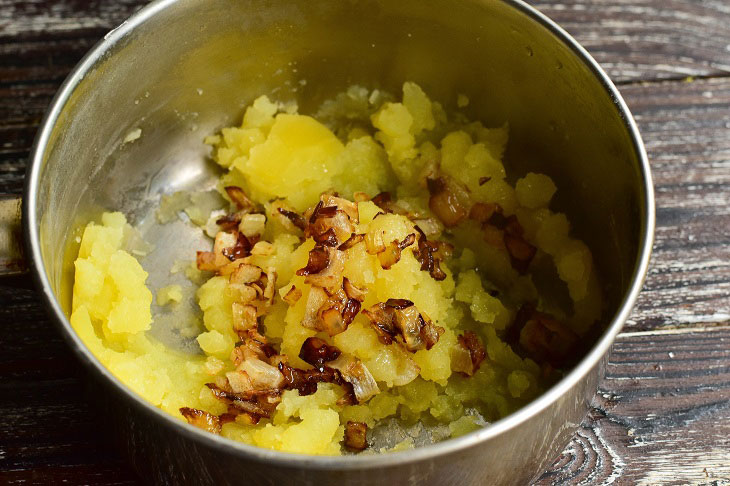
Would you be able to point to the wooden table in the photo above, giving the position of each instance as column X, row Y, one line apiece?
column 662, row 415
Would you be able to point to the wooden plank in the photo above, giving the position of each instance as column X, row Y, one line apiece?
column 648, row 39
column 685, row 128
column 662, row 415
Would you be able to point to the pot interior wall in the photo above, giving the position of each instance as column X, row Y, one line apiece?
column 192, row 69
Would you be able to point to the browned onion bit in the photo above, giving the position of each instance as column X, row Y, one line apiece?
column 296, row 219
column 430, row 333
column 253, row 344
column 356, row 435
column 293, row 295
column 261, row 403
column 351, row 291
column 382, row 200
column 383, row 320
column 241, row 249
column 484, row 180
column 520, row 251
column 349, row 397
column 407, row 241
column 443, row 203
column 482, row 212
column 352, row 307
column 353, row 240
column 229, row 222
column 398, row 303
column 317, row 352
column 392, row 253
column 390, row 319
column 321, row 211
column 471, row 342
column 202, row 419
column 425, row 255
column 239, row 198
column 328, row 238
column 306, row 380
column 205, row 260
column 318, row 261
column 541, row 336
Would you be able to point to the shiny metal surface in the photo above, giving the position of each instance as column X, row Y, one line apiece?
column 181, row 69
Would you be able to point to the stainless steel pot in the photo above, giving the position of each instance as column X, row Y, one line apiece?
column 181, row 69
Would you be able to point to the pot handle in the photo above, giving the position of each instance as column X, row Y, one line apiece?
column 12, row 259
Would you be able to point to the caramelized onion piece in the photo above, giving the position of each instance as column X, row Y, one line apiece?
column 520, row 251
column 356, row 436
column 241, row 249
column 270, row 289
column 317, row 352
column 205, row 260
column 399, row 303
column 430, row 255
column 318, row 261
column 546, row 339
column 261, row 403
column 482, row 212
column 252, row 346
column 348, row 207
column 381, row 200
column 357, row 374
column 471, row 346
column 202, row 419
column 330, row 277
column 352, row 291
column 444, row 204
column 392, row 253
column 229, row 222
column 306, row 380
column 399, row 317
column 244, row 274
column 244, row 317
column 352, row 307
column 322, row 211
column 328, row 238
column 239, row 198
column 374, row 243
column 331, row 320
column 263, row 376
column 295, row 218
column 315, row 300
column 351, row 241
column 292, row 296
column 383, row 321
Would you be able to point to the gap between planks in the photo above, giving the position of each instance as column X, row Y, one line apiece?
column 707, row 327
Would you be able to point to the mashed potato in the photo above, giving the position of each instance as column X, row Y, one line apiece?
column 374, row 263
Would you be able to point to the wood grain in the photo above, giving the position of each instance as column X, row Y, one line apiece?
column 685, row 129
column 662, row 413
column 649, row 39
column 661, row 416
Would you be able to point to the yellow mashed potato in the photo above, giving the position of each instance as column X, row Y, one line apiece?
column 358, row 145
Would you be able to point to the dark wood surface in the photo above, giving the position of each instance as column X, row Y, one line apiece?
column 662, row 414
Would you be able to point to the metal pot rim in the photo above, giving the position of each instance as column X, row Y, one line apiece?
column 33, row 252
